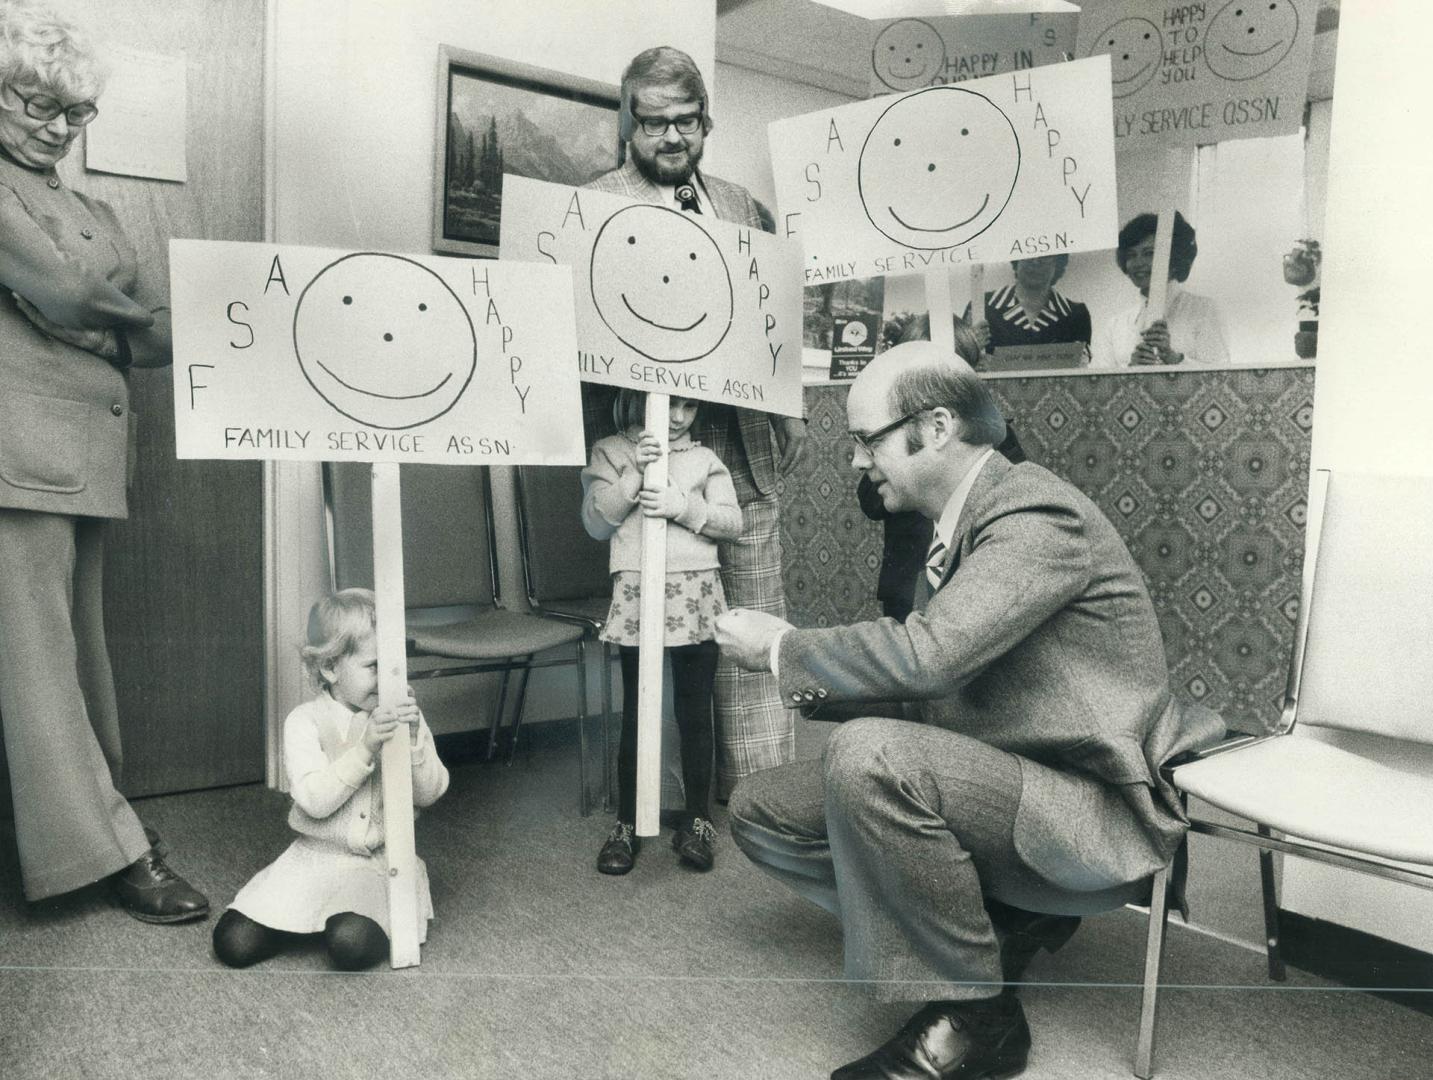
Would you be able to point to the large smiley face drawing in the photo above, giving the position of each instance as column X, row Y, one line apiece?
column 1248, row 39
column 908, row 54
column 1135, row 47
column 660, row 283
column 938, row 167
column 384, row 340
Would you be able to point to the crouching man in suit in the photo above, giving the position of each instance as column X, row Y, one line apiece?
column 1002, row 776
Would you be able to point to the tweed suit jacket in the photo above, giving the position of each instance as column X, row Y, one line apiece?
column 730, row 202
column 1041, row 641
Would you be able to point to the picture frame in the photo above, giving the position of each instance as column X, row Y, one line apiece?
column 497, row 116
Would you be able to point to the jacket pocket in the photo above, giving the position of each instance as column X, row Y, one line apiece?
column 44, row 443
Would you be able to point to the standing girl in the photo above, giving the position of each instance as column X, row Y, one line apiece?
column 700, row 502
column 333, row 879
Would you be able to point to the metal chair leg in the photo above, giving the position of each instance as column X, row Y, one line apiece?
column 1153, row 957
column 498, row 715
column 517, row 708
column 1271, row 910
column 582, row 807
column 607, row 781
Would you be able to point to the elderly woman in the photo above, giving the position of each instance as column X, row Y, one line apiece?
column 1190, row 330
column 71, row 323
column 1031, row 311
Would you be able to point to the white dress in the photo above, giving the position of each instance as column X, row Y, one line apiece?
column 1195, row 328
column 338, row 863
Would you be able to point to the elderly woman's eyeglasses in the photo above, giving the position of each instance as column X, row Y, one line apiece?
column 869, row 440
column 44, row 107
column 656, row 126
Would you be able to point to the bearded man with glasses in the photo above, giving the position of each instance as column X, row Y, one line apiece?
column 998, row 773
column 664, row 120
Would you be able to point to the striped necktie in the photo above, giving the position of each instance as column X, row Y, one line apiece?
column 935, row 563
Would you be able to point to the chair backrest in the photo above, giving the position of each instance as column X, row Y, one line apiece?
column 447, row 532
column 1367, row 662
column 560, row 561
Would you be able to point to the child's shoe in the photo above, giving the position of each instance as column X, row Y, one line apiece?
column 696, row 843
column 619, row 853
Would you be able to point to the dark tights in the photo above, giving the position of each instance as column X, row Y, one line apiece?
column 693, row 672
column 354, row 942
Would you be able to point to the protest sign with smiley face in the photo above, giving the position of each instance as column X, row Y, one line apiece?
column 296, row 353
column 985, row 170
column 668, row 302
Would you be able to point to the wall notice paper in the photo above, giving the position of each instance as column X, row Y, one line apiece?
column 911, row 54
column 667, row 302
column 992, row 169
column 1193, row 74
column 141, row 123
column 311, row 354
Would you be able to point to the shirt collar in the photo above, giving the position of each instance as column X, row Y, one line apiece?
column 950, row 516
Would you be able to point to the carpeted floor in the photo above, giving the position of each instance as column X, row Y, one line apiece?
column 538, row 967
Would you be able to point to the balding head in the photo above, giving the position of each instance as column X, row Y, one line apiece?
column 921, row 375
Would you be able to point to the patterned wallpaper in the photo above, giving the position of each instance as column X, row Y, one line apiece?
column 1203, row 473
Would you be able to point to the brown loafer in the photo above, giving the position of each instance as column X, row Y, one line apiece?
column 951, row 1040
column 153, row 893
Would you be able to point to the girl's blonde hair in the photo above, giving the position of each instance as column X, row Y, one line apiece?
column 41, row 47
column 336, row 626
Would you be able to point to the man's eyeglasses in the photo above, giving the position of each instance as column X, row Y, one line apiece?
column 869, row 440
column 44, row 107
column 656, row 126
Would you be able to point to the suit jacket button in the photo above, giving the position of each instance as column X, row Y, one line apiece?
column 118, row 410
column 796, row 695
column 821, row 694
column 88, row 234
column 53, row 182
column 809, row 696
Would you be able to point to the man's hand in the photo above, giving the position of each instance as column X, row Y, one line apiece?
column 790, row 432
column 745, row 637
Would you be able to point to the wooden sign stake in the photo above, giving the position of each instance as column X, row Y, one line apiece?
column 652, row 636
column 396, row 762
column 1176, row 168
column 942, row 313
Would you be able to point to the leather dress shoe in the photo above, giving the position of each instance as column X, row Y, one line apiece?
column 1021, row 943
column 619, row 853
column 153, row 893
column 695, row 843
column 947, row 1040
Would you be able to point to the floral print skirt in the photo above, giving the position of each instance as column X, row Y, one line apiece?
column 694, row 600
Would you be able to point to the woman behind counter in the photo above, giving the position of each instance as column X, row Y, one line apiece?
column 71, row 323
column 1031, row 311
column 1191, row 331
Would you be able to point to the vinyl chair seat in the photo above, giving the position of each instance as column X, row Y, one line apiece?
column 493, row 635
column 591, row 609
column 1369, row 795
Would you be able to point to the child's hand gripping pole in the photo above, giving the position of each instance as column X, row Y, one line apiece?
column 652, row 634
column 392, row 690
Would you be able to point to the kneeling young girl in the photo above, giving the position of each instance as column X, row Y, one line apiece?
column 333, row 880
column 700, row 503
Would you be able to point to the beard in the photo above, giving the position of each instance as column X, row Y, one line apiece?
column 663, row 169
